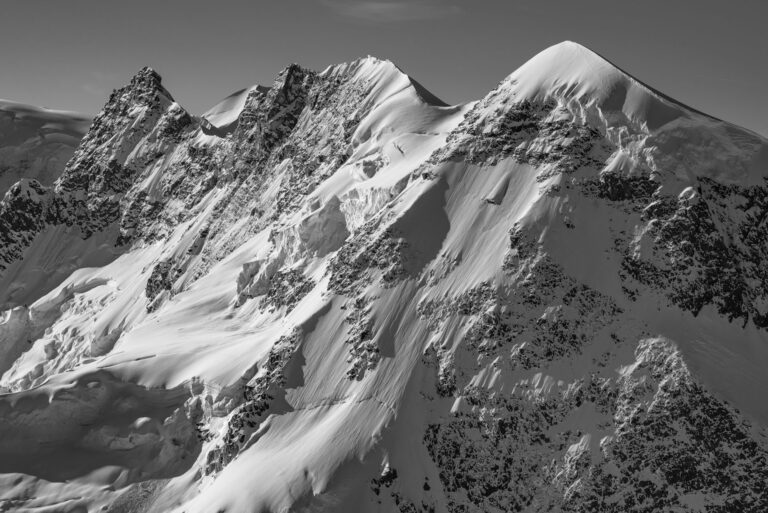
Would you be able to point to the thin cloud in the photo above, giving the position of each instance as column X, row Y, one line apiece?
column 390, row 11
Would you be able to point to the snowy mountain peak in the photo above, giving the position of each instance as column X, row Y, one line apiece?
column 148, row 80
column 570, row 84
column 383, row 75
column 337, row 294
column 574, row 73
column 147, row 74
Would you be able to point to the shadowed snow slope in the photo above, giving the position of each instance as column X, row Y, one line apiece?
column 337, row 293
column 36, row 143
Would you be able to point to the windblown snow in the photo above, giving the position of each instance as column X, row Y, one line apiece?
column 36, row 142
column 337, row 293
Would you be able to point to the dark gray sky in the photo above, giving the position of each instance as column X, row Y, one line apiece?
column 712, row 55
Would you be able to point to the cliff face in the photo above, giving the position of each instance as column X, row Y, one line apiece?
column 336, row 293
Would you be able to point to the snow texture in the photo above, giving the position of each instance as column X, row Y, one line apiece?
column 337, row 293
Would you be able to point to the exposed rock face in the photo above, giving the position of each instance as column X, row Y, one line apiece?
column 336, row 293
column 25, row 209
column 88, row 193
column 35, row 145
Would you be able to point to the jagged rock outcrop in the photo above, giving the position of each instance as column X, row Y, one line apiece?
column 337, row 293
column 88, row 193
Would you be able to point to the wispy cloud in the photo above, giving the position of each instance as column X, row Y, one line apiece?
column 389, row 11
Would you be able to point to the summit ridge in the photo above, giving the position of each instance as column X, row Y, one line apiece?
column 336, row 293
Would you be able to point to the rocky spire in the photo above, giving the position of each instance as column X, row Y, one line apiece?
column 132, row 111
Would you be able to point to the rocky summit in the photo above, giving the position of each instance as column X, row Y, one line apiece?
column 338, row 293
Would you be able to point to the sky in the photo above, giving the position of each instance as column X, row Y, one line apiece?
column 70, row 54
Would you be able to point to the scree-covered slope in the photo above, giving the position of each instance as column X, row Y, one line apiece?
column 337, row 293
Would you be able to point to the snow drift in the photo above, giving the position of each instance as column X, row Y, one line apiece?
column 337, row 293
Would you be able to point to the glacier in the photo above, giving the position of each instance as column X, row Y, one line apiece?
column 339, row 293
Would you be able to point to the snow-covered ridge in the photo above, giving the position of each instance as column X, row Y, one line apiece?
column 650, row 129
column 336, row 293
column 571, row 70
column 36, row 142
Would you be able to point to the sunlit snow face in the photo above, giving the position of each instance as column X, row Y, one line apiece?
column 338, row 291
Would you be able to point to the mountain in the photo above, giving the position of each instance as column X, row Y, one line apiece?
column 337, row 293
column 36, row 142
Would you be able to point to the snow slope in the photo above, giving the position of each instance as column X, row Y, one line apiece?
column 36, row 142
column 337, row 293
column 223, row 116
